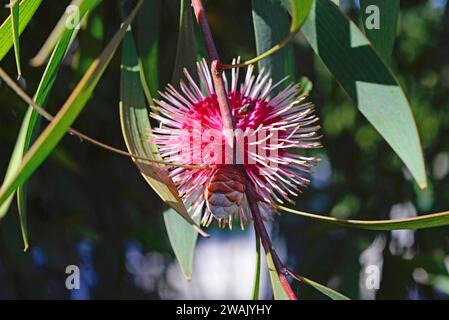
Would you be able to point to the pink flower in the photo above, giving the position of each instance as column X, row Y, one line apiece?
column 270, row 130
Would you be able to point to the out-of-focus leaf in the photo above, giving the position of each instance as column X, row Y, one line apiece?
column 27, row 8
column 300, row 11
column 30, row 123
column 147, row 41
column 67, row 20
column 182, row 239
column 136, row 129
column 186, row 47
column 420, row 222
column 380, row 21
column 278, row 290
column 15, row 9
column 350, row 57
column 271, row 26
column 334, row 295
column 51, row 136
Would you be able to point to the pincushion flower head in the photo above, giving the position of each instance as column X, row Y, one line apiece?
column 271, row 130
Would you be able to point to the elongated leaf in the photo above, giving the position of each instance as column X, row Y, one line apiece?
column 65, row 24
column 331, row 293
column 300, row 12
column 15, row 9
column 30, row 122
column 136, row 129
column 51, row 136
column 420, row 222
column 182, row 239
column 27, row 8
column 380, row 21
column 147, row 41
column 271, row 26
column 257, row 273
column 278, row 290
column 185, row 51
column 372, row 87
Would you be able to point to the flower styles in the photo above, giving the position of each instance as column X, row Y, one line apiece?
column 270, row 129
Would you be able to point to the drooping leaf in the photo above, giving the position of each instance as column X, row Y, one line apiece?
column 420, row 222
column 331, row 293
column 27, row 8
column 30, row 121
column 380, row 22
column 271, row 26
column 182, row 239
column 350, row 57
column 136, row 130
column 54, row 132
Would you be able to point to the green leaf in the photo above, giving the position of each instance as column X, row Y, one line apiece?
column 334, row 295
column 350, row 57
column 182, row 239
column 147, row 40
column 300, row 12
column 420, row 222
column 51, row 136
column 271, row 26
column 186, row 47
column 278, row 290
column 83, row 7
column 380, row 22
column 29, row 126
column 27, row 8
column 136, row 129
column 15, row 9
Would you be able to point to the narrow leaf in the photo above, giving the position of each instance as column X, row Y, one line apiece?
column 27, row 8
column 380, row 22
column 186, row 47
column 420, row 222
column 271, row 26
column 76, row 10
column 29, row 126
column 257, row 273
column 136, row 129
column 334, row 295
column 372, row 87
column 182, row 239
column 15, row 9
column 51, row 136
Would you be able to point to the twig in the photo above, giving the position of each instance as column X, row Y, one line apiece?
column 266, row 243
column 216, row 70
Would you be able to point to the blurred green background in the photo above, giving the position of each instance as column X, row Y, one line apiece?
column 93, row 209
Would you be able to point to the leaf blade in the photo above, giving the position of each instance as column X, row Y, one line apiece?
column 27, row 9
column 331, row 293
column 372, row 87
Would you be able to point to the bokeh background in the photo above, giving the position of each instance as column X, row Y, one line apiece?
column 93, row 209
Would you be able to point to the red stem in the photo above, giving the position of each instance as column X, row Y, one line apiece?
column 229, row 125
column 216, row 70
